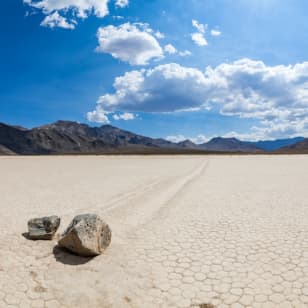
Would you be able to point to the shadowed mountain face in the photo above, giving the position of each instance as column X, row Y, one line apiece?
column 300, row 147
column 273, row 145
column 15, row 139
column 65, row 137
column 5, row 151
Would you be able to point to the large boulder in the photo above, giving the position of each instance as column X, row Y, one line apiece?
column 87, row 235
column 43, row 228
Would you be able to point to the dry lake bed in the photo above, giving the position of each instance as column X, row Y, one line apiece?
column 231, row 231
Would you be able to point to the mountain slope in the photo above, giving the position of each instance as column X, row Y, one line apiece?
column 229, row 145
column 15, row 139
column 114, row 136
column 187, row 144
column 65, row 137
column 5, row 151
column 273, row 145
column 297, row 148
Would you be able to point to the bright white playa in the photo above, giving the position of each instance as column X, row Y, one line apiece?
column 228, row 230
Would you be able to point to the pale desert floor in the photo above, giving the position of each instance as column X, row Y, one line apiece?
column 227, row 230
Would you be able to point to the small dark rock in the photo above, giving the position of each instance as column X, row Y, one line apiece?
column 43, row 228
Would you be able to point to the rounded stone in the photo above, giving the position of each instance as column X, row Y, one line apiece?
column 87, row 235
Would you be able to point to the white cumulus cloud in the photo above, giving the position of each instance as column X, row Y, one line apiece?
column 132, row 43
column 64, row 13
column 98, row 116
column 164, row 88
column 276, row 96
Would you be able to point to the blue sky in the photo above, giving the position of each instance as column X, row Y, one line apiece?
column 163, row 68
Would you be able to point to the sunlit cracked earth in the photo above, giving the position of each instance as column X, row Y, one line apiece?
column 231, row 231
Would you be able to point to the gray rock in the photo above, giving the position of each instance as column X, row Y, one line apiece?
column 43, row 228
column 87, row 235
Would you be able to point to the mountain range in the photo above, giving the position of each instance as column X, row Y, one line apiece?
column 273, row 145
column 66, row 137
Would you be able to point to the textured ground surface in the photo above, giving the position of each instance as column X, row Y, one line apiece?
column 228, row 231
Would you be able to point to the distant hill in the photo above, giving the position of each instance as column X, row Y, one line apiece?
column 273, row 145
column 300, row 147
column 187, row 144
column 66, row 137
column 220, row 144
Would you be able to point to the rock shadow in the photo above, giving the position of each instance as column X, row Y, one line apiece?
column 66, row 257
column 206, row 305
column 26, row 235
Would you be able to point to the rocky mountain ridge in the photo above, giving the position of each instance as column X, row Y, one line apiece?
column 66, row 137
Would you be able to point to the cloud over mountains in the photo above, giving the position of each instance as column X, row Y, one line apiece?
column 277, row 96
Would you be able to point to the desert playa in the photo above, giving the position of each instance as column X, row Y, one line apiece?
column 226, row 231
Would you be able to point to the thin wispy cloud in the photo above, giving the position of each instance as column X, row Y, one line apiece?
column 122, row 3
column 199, row 139
column 199, row 37
column 54, row 20
column 126, row 116
column 170, row 49
column 215, row 32
column 200, row 27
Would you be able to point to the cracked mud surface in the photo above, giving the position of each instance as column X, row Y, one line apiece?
column 226, row 231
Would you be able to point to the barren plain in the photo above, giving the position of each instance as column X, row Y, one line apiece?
column 230, row 231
